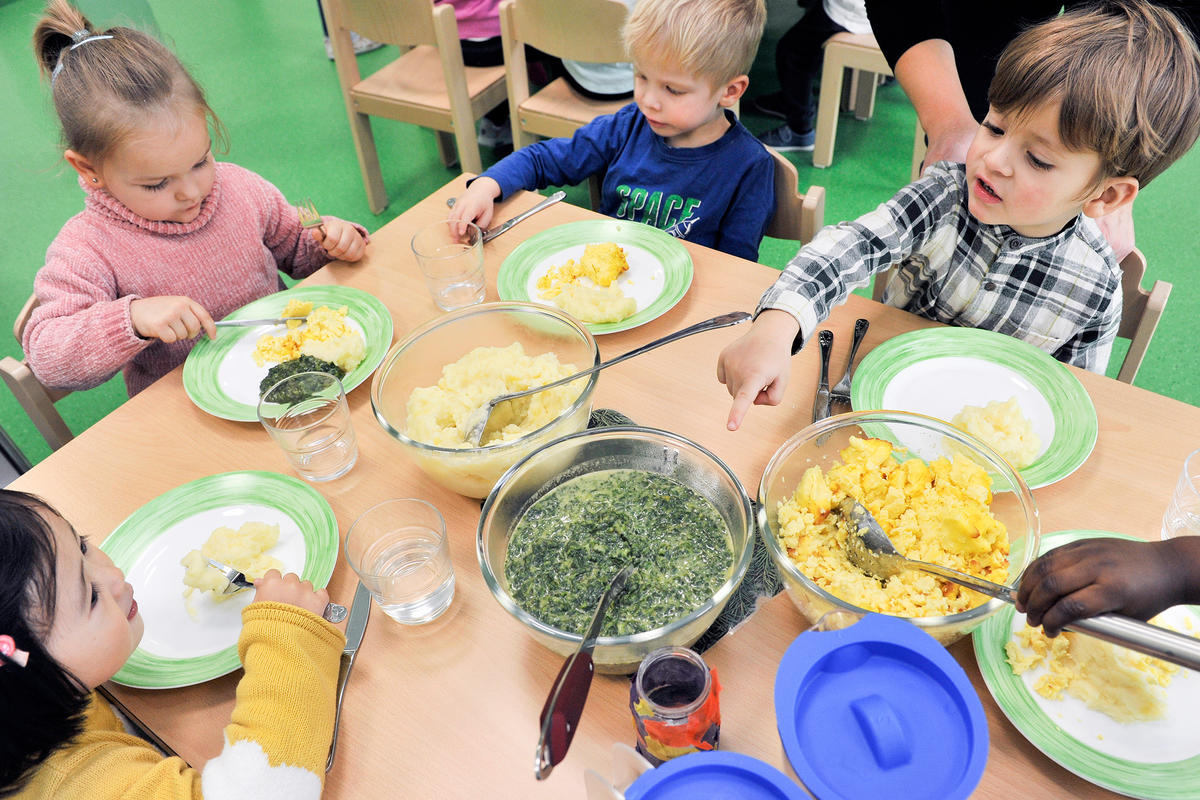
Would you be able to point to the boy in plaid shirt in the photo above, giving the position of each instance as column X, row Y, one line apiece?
column 1084, row 110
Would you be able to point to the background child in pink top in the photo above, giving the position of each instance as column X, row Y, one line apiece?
column 168, row 240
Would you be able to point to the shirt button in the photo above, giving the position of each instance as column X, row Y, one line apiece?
column 1015, row 241
column 990, row 286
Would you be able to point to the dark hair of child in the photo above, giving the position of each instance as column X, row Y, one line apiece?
column 43, row 704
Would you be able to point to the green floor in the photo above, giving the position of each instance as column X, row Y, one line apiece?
column 264, row 68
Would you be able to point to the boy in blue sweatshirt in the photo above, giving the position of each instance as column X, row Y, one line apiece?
column 676, row 158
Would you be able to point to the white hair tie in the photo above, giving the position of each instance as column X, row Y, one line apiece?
column 76, row 37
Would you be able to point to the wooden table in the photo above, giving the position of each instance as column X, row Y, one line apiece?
column 450, row 709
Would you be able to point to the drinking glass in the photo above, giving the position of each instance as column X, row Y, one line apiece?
column 451, row 262
column 1183, row 512
column 307, row 416
column 400, row 552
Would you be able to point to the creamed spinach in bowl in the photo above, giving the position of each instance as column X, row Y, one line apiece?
column 570, row 542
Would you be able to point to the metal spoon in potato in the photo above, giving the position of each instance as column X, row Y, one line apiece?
column 478, row 419
column 870, row 549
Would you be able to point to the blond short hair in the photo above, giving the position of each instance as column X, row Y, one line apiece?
column 716, row 39
column 1127, row 74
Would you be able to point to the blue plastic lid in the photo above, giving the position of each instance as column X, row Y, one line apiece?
column 714, row 775
column 879, row 709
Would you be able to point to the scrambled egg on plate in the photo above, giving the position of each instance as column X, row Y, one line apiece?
column 587, row 288
column 440, row 415
column 325, row 335
column 937, row 512
column 1002, row 426
column 1124, row 684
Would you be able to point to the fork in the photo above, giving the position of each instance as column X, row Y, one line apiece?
column 309, row 216
column 840, row 393
column 237, row 581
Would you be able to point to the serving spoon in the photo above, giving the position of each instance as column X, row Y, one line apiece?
column 477, row 420
column 870, row 549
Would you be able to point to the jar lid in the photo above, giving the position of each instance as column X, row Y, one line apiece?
column 712, row 773
column 879, row 709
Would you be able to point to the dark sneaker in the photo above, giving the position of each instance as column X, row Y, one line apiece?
column 786, row 140
column 769, row 105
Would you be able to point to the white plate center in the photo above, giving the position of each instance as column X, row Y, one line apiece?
column 157, row 579
column 643, row 281
column 941, row 387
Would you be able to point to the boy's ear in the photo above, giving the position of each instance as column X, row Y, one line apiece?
column 84, row 167
column 1114, row 193
column 733, row 91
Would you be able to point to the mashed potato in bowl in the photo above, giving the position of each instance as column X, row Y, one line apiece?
column 441, row 414
column 937, row 511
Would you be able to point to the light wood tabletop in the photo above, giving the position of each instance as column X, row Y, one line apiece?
column 451, row 709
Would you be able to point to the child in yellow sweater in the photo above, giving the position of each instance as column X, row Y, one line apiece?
column 68, row 622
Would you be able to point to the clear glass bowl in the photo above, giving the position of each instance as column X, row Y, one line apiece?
column 417, row 360
column 598, row 449
column 820, row 445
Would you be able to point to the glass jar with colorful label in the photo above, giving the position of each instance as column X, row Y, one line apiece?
column 674, row 703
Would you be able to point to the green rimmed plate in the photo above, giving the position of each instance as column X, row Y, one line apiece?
column 177, row 648
column 937, row 371
column 220, row 375
column 659, row 274
column 1159, row 760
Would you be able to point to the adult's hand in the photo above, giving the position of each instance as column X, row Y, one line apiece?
column 928, row 75
column 1097, row 576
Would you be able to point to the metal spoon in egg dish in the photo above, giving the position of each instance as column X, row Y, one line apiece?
column 478, row 420
column 870, row 549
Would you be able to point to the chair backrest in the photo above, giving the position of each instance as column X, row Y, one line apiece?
column 1140, row 313
column 37, row 400
column 797, row 216
column 428, row 85
column 581, row 30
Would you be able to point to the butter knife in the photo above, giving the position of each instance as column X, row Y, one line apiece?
column 821, row 403
column 564, row 706
column 502, row 227
column 360, row 612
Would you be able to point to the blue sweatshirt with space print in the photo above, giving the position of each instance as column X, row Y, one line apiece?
column 720, row 195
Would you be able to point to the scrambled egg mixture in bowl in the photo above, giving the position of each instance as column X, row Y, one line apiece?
column 928, row 484
column 431, row 380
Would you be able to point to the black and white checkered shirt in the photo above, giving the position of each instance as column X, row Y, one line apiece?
column 1060, row 293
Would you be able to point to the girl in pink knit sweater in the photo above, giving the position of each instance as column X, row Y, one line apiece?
column 168, row 239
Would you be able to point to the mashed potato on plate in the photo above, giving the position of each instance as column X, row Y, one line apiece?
column 586, row 289
column 1001, row 425
column 937, row 512
column 245, row 549
column 1126, row 685
column 325, row 335
column 440, row 414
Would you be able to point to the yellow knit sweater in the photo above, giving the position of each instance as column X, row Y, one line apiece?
column 276, row 743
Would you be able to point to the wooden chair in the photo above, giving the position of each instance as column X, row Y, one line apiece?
column 427, row 85
column 797, row 216
column 859, row 53
column 583, row 30
column 1141, row 310
column 37, row 400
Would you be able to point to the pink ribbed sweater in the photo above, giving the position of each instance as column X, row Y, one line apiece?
column 106, row 256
